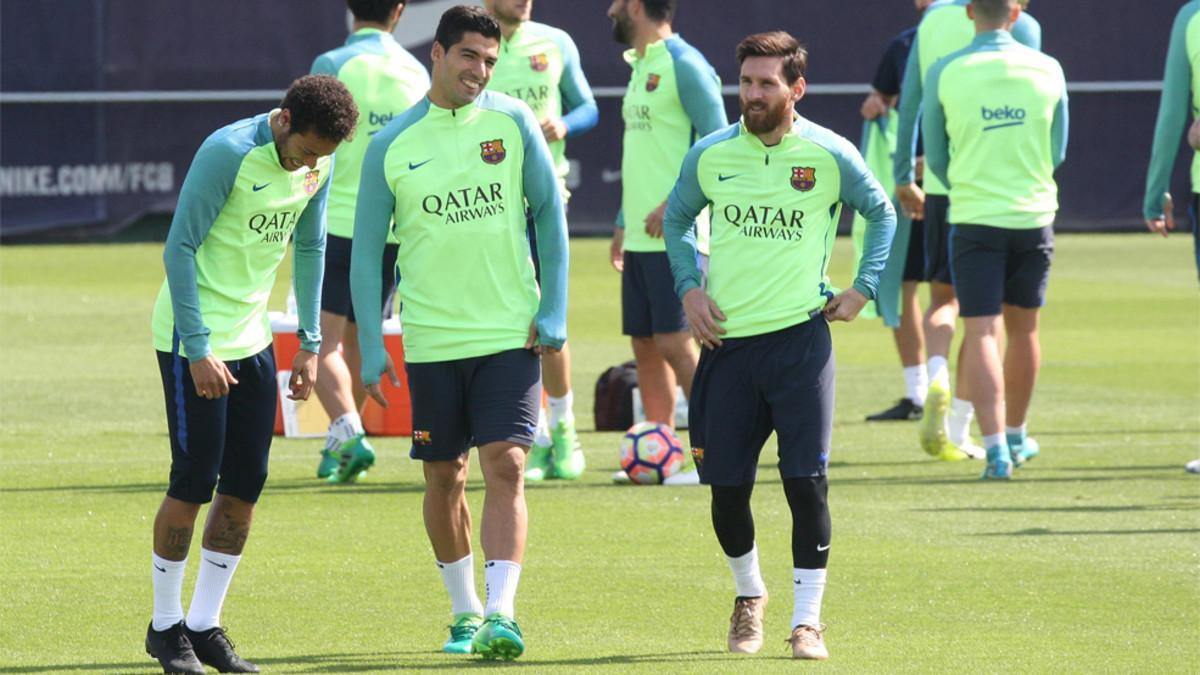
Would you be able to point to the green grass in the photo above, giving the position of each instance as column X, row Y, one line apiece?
column 1089, row 561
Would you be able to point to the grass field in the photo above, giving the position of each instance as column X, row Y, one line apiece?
column 1088, row 562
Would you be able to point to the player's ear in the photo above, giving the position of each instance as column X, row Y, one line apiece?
column 436, row 52
column 798, row 89
column 284, row 120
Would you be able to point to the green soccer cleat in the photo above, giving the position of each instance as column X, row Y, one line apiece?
column 499, row 638
column 356, row 457
column 1023, row 449
column 568, row 461
column 330, row 456
column 933, row 421
column 537, row 465
column 462, row 632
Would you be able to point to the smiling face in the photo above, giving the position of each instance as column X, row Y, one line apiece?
column 767, row 99
column 462, row 72
column 298, row 150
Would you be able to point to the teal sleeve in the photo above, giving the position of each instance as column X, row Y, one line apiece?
column 582, row 112
column 686, row 201
column 863, row 193
column 1028, row 31
column 933, row 127
column 1058, row 130
column 910, row 109
column 372, row 217
column 203, row 194
column 323, row 65
column 699, row 91
column 308, row 266
column 1173, row 110
column 549, row 220
column 620, row 222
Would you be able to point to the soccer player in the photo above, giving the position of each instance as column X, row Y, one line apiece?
column 456, row 172
column 944, row 28
column 673, row 98
column 910, row 339
column 775, row 183
column 540, row 65
column 385, row 80
column 1003, row 108
column 252, row 186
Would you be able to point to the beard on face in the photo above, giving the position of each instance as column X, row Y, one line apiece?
column 762, row 116
column 620, row 30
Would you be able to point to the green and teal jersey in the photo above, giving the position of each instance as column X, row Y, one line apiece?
column 238, row 208
column 774, row 213
column 385, row 80
column 1180, row 95
column 945, row 28
column 995, row 129
column 456, row 184
column 673, row 99
column 540, row 65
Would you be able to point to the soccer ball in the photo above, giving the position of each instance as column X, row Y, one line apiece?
column 650, row 453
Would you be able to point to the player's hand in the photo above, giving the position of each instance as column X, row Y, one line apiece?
column 304, row 375
column 554, row 129
column 874, row 106
column 912, row 200
column 1165, row 224
column 703, row 316
column 375, row 391
column 211, row 377
column 654, row 221
column 616, row 250
column 845, row 305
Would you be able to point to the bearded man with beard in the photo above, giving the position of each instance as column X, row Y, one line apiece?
column 775, row 182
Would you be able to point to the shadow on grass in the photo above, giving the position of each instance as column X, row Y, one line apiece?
column 1047, row 532
column 1117, row 432
column 273, row 489
column 1060, row 509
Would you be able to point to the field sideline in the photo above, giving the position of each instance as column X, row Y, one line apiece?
column 1089, row 561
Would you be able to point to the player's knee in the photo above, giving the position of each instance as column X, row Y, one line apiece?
column 505, row 468
column 191, row 484
column 807, row 497
column 731, row 498
column 446, row 476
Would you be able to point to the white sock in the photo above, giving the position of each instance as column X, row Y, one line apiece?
column 958, row 426
column 939, row 371
column 501, row 577
column 459, row 578
column 560, row 408
column 747, row 579
column 216, row 571
column 809, row 586
column 168, row 587
column 541, row 435
column 345, row 427
column 995, row 440
column 916, row 383
column 1018, row 432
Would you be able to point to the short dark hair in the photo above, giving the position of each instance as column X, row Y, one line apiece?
column 322, row 104
column 776, row 43
column 660, row 10
column 463, row 19
column 376, row 11
column 993, row 11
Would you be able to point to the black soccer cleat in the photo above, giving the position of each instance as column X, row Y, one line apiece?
column 173, row 650
column 904, row 410
column 213, row 648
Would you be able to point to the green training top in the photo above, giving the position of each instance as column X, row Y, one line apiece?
column 385, row 80
column 945, row 28
column 673, row 99
column 1181, row 94
column 774, row 218
column 540, row 65
column 237, row 209
column 457, row 182
column 1003, row 108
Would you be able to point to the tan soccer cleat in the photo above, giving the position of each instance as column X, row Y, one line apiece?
column 746, row 625
column 808, row 642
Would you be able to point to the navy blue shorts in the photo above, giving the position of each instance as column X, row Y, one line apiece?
column 457, row 405
column 222, row 443
column 1196, row 228
column 751, row 386
column 648, row 302
column 914, row 261
column 937, row 239
column 996, row 266
column 335, row 286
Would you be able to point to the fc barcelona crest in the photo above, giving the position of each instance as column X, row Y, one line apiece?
column 493, row 152
column 539, row 63
column 310, row 181
column 804, row 178
column 652, row 81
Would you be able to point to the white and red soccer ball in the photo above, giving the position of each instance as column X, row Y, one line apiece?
column 650, row 452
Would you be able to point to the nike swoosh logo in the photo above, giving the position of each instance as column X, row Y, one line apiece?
column 414, row 167
column 609, row 176
column 723, row 177
column 159, row 568
column 259, row 187
column 221, row 565
column 823, row 548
